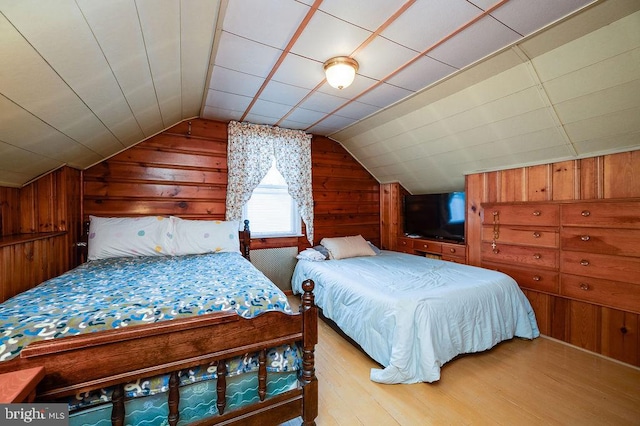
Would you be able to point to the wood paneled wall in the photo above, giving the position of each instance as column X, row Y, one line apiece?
column 183, row 172
column 346, row 196
column 585, row 325
column 40, row 226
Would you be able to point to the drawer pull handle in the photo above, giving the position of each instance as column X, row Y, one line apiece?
column 584, row 286
column 584, row 262
column 585, row 238
column 537, row 212
column 537, row 256
column 496, row 251
column 536, row 235
column 537, row 278
column 585, row 213
column 452, row 250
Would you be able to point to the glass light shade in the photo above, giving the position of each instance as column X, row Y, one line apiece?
column 340, row 71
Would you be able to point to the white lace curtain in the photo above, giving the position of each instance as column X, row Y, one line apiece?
column 251, row 149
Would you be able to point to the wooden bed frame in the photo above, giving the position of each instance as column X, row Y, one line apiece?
column 114, row 357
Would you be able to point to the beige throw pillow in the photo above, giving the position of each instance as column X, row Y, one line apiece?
column 345, row 247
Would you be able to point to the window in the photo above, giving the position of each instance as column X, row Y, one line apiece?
column 271, row 210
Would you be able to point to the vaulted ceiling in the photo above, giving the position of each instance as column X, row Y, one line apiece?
column 444, row 88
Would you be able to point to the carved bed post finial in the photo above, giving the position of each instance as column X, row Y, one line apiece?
column 246, row 235
column 309, row 379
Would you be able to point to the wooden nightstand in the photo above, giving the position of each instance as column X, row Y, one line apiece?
column 20, row 386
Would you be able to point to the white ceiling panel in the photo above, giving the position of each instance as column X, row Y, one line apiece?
column 272, row 22
column 283, row 93
column 357, row 110
column 47, row 96
column 196, row 40
column 301, row 115
column 368, row 14
column 31, row 134
column 602, row 102
column 322, row 102
column 230, row 81
column 605, row 126
column 473, row 43
column 614, row 39
column 395, row 56
column 606, row 145
column 605, row 74
column 116, row 27
column 421, row 74
column 227, row 101
column 86, row 78
column 426, row 23
column 327, row 36
column 384, row 94
column 160, row 22
column 526, row 16
column 69, row 47
column 24, row 162
column 256, row 59
column 270, row 109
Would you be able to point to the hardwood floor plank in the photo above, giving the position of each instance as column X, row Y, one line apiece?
column 521, row 382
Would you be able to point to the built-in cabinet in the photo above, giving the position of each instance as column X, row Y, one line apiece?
column 391, row 236
column 522, row 240
column 590, row 299
column 583, row 254
column 600, row 257
column 450, row 251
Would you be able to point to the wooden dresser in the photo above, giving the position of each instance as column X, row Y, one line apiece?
column 445, row 250
column 600, row 256
column 522, row 240
column 586, row 253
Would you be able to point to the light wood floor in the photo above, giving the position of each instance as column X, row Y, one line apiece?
column 518, row 382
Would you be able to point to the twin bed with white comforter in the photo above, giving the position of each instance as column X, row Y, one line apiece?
column 413, row 314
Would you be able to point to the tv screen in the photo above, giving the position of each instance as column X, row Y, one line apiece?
column 439, row 216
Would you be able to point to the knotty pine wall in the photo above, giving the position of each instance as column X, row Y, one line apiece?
column 39, row 226
column 183, row 172
column 592, row 327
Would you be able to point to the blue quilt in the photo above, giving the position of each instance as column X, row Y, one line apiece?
column 120, row 292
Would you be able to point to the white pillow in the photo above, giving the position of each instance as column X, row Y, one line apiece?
column 311, row 254
column 345, row 247
column 204, row 236
column 128, row 236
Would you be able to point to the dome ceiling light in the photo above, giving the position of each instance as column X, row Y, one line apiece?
column 340, row 71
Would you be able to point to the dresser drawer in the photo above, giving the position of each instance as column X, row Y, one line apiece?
column 539, row 237
column 529, row 214
column 405, row 245
column 530, row 278
column 533, row 256
column 621, row 242
column 615, row 268
column 454, row 252
column 619, row 295
column 427, row 246
column 624, row 214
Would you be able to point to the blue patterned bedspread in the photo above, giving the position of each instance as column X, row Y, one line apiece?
column 120, row 292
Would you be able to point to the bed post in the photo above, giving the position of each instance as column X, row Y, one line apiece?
column 245, row 243
column 310, row 331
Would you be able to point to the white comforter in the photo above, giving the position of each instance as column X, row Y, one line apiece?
column 413, row 314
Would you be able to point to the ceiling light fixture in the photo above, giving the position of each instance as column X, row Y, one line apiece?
column 340, row 71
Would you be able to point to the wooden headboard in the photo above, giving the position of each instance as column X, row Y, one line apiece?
column 245, row 241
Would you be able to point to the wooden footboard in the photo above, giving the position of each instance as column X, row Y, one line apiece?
column 111, row 358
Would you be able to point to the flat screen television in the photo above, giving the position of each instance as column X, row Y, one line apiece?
column 439, row 216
